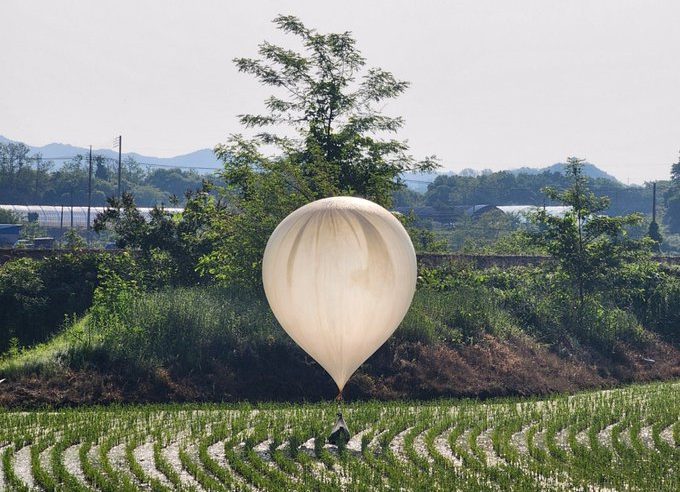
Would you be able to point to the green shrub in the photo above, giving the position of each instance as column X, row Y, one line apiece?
column 454, row 315
column 23, row 301
column 465, row 303
column 662, row 312
column 182, row 328
column 37, row 296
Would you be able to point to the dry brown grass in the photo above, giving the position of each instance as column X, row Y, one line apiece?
column 489, row 368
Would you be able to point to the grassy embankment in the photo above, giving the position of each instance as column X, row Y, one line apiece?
column 478, row 338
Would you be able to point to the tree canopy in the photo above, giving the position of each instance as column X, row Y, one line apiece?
column 673, row 199
column 30, row 179
column 587, row 245
column 325, row 119
column 327, row 133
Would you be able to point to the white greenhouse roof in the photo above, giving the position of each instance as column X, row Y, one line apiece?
column 57, row 216
column 556, row 210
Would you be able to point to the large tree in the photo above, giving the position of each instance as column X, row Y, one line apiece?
column 328, row 136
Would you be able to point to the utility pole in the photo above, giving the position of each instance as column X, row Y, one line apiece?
column 654, row 201
column 37, row 173
column 89, row 193
column 120, row 153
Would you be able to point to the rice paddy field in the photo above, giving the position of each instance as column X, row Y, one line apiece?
column 622, row 439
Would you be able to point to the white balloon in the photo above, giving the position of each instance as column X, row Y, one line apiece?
column 339, row 275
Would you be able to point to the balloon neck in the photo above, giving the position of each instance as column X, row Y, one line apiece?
column 339, row 397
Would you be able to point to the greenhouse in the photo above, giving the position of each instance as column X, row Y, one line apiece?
column 62, row 216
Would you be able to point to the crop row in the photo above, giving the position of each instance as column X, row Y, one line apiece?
column 610, row 440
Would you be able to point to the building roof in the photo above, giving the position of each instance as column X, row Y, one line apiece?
column 10, row 228
column 479, row 209
column 556, row 210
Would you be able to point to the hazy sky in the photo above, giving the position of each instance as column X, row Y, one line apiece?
column 494, row 84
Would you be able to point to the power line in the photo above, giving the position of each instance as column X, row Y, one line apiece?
column 113, row 160
column 31, row 158
column 593, row 186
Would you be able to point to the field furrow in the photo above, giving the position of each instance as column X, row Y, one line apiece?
column 622, row 439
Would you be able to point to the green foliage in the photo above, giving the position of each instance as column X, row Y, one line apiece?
column 461, row 445
column 36, row 296
column 180, row 328
column 187, row 329
column 9, row 217
column 22, row 300
column 671, row 244
column 672, row 199
column 476, row 234
column 31, row 229
column 534, row 301
column 28, row 178
column 675, row 171
column 447, row 192
column 589, row 248
column 519, row 242
column 454, row 315
column 119, row 284
column 258, row 201
column 424, row 239
column 73, row 240
column 170, row 245
column 673, row 210
column 332, row 105
column 655, row 235
column 655, row 298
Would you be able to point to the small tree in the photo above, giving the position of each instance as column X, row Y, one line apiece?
column 675, row 172
column 589, row 247
column 72, row 240
column 31, row 229
column 673, row 200
column 654, row 234
column 9, row 217
column 424, row 239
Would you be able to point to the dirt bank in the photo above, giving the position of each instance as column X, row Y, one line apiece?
column 489, row 368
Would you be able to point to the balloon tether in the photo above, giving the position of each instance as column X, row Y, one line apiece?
column 340, row 433
column 339, row 400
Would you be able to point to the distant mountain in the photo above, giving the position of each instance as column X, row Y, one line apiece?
column 590, row 170
column 419, row 181
column 197, row 159
column 205, row 158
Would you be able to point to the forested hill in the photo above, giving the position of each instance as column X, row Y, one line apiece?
column 26, row 181
column 198, row 159
column 511, row 188
column 415, row 180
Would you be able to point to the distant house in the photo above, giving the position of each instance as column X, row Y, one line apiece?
column 424, row 212
column 476, row 210
column 9, row 234
column 456, row 212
